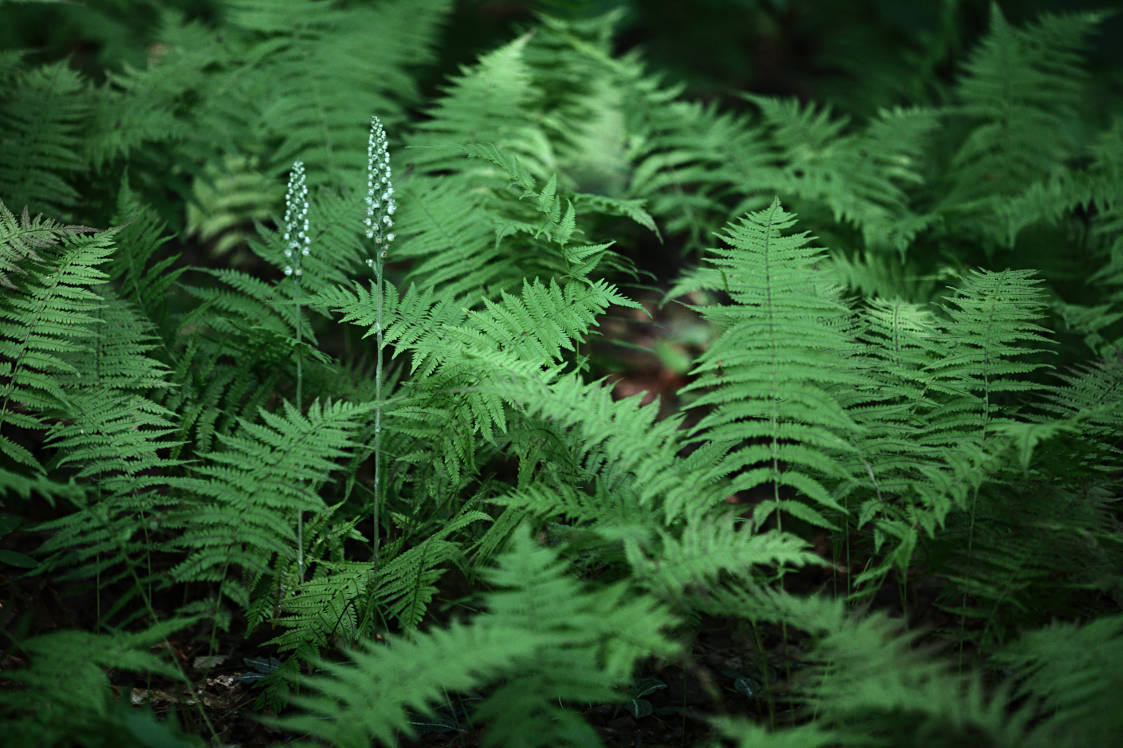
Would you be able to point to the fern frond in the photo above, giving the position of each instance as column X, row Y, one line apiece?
column 991, row 342
column 1018, row 92
column 43, row 323
column 633, row 453
column 244, row 498
column 1092, row 395
column 705, row 550
column 66, row 695
column 866, row 676
column 1070, row 674
column 752, row 735
column 488, row 102
column 42, row 118
column 135, row 271
column 21, row 238
column 583, row 651
column 110, row 432
column 371, row 696
column 860, row 177
column 406, row 585
column 779, row 418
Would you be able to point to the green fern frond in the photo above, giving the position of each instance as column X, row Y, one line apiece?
column 329, row 605
column 583, row 651
column 1092, row 395
column 864, row 676
column 322, row 73
column 214, row 392
column 26, row 486
column 244, row 498
column 450, row 238
column 135, row 272
column 1070, row 675
column 66, row 695
column 486, row 103
column 1019, row 90
column 992, row 341
column 779, row 420
column 859, row 177
column 43, row 115
column 406, row 585
column 108, row 431
column 874, row 674
column 704, row 551
column 752, row 735
column 21, row 238
column 371, row 696
column 42, row 324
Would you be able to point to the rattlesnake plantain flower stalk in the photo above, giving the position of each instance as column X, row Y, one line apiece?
column 379, row 222
column 297, row 246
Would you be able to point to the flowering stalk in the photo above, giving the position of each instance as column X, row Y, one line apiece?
column 379, row 222
column 297, row 245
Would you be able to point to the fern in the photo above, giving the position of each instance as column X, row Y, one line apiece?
column 41, row 324
column 866, row 677
column 860, row 177
column 67, row 696
column 151, row 402
column 110, row 432
column 1018, row 90
column 770, row 374
column 583, row 650
column 42, row 120
column 992, row 340
column 1069, row 674
column 243, row 499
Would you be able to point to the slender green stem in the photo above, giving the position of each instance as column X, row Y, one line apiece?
column 375, row 537
column 300, row 407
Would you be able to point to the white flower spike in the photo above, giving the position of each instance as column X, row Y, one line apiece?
column 296, row 219
column 380, row 193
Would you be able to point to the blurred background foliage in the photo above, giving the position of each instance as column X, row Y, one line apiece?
column 856, row 55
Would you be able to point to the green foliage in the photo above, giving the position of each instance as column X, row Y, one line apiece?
column 431, row 473
column 1068, row 671
column 65, row 695
column 770, row 373
column 234, row 523
column 543, row 641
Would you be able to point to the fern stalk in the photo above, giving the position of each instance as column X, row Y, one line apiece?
column 379, row 220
